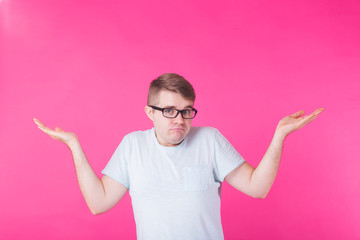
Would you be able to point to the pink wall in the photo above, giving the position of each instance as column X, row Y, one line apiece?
column 86, row 66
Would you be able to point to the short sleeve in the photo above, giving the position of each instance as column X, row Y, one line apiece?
column 117, row 167
column 225, row 156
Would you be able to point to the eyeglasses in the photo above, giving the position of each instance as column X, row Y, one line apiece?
column 188, row 113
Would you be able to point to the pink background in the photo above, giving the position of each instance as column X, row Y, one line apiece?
column 86, row 65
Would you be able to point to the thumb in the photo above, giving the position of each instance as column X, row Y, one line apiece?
column 297, row 114
column 58, row 129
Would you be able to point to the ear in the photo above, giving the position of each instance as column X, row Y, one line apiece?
column 149, row 112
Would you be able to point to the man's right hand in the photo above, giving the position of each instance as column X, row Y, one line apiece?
column 59, row 134
column 92, row 188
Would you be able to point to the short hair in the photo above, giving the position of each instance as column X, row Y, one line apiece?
column 172, row 82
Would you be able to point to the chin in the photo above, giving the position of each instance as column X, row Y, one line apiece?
column 176, row 141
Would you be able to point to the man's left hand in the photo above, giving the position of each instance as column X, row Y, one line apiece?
column 295, row 121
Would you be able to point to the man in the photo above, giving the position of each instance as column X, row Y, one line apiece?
column 174, row 172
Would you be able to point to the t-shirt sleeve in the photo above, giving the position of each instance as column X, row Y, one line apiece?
column 226, row 157
column 117, row 167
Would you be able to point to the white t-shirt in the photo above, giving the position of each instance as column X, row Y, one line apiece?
column 175, row 191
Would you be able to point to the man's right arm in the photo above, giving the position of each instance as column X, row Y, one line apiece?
column 100, row 194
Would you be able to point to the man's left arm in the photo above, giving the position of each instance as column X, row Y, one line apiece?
column 256, row 182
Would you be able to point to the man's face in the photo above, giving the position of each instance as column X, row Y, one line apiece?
column 170, row 131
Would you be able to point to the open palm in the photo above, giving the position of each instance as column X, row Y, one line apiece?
column 57, row 134
column 296, row 121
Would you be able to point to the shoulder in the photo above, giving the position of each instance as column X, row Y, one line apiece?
column 203, row 132
column 208, row 134
column 141, row 135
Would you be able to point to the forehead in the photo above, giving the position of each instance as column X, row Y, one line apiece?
column 167, row 98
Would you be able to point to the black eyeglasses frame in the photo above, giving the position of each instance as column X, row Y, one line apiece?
column 178, row 111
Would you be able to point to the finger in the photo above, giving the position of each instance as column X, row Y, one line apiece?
column 45, row 129
column 318, row 111
column 314, row 114
column 307, row 119
column 297, row 114
column 49, row 132
column 37, row 121
column 58, row 129
column 42, row 126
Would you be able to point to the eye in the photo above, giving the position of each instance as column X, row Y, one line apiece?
column 187, row 111
column 168, row 111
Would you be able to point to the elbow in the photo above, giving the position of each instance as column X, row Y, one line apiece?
column 96, row 211
column 259, row 196
column 262, row 195
column 261, row 192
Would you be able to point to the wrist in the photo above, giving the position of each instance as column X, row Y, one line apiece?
column 279, row 136
column 73, row 144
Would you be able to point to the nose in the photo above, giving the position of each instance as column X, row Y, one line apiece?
column 179, row 118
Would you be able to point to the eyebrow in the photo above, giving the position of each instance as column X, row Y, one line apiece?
column 188, row 106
